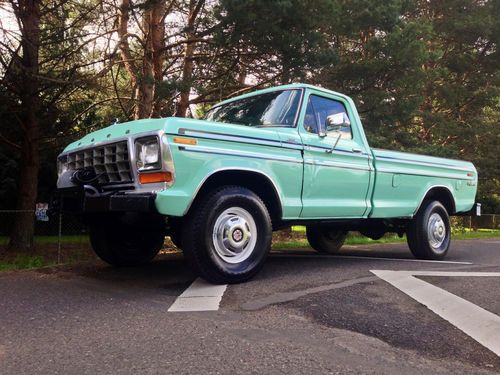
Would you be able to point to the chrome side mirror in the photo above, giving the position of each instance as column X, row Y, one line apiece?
column 334, row 122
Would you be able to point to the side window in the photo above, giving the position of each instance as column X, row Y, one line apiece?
column 329, row 112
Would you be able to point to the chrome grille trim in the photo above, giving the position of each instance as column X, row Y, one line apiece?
column 111, row 162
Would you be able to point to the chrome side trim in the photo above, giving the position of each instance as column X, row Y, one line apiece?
column 202, row 182
column 230, row 138
column 207, row 150
column 424, row 163
column 292, row 146
column 426, row 174
column 337, row 151
column 427, row 191
column 202, row 134
column 375, row 149
column 337, row 165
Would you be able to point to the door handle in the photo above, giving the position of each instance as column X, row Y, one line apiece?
column 357, row 150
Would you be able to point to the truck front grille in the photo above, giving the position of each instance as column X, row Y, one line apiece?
column 110, row 162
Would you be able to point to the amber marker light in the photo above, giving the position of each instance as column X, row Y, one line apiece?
column 470, row 174
column 149, row 178
column 185, row 141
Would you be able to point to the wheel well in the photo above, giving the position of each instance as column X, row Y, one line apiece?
column 257, row 182
column 442, row 195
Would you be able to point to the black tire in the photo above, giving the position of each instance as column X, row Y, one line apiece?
column 237, row 212
column 125, row 245
column 324, row 239
column 429, row 233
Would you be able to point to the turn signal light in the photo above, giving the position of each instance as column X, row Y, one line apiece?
column 149, row 178
column 185, row 141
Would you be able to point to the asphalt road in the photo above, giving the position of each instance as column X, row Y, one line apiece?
column 304, row 313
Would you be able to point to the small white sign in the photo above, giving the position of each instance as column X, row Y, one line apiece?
column 41, row 211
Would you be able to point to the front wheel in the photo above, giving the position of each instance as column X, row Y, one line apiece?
column 227, row 236
column 124, row 244
column 429, row 232
column 325, row 240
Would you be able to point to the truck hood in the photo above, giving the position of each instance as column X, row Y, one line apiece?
column 117, row 131
column 170, row 125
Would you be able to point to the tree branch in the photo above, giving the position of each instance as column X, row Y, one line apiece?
column 9, row 143
column 78, row 116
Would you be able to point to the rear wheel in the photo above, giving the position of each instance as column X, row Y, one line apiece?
column 325, row 240
column 227, row 236
column 429, row 232
column 126, row 244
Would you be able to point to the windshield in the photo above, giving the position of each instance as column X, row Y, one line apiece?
column 277, row 108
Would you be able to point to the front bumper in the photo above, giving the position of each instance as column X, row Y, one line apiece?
column 78, row 201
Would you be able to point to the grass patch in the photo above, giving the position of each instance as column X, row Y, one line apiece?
column 76, row 239
column 24, row 262
column 356, row 239
column 74, row 249
column 290, row 244
column 480, row 233
column 44, row 240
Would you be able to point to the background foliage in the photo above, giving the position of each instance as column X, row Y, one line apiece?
column 424, row 74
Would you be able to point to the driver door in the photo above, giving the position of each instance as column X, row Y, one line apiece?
column 336, row 162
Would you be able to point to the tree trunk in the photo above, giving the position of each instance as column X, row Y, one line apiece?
column 145, row 90
column 28, row 15
column 187, row 74
column 242, row 71
column 125, row 52
column 21, row 238
column 157, row 44
column 188, row 65
column 144, row 79
column 285, row 73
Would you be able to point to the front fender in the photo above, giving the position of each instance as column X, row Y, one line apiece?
column 194, row 164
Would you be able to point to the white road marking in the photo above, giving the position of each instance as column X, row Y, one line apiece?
column 200, row 296
column 371, row 258
column 403, row 259
column 448, row 273
column 480, row 324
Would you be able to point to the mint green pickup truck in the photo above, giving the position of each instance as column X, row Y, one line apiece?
column 288, row 155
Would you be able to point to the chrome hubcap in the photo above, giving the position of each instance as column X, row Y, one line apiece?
column 234, row 235
column 436, row 230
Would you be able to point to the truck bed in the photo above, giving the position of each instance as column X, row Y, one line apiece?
column 402, row 180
